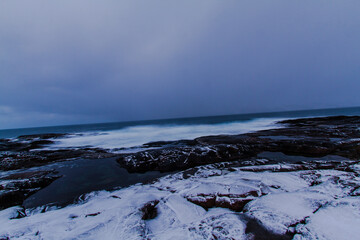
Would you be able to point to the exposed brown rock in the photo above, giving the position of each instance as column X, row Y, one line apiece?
column 235, row 202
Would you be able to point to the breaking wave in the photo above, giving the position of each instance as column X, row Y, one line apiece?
column 137, row 135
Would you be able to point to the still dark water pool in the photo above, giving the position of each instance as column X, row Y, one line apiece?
column 84, row 176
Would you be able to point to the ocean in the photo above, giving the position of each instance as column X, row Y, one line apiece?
column 115, row 136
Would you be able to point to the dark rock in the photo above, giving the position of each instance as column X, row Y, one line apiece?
column 316, row 121
column 42, row 136
column 190, row 172
column 26, row 175
column 19, row 186
column 24, row 159
column 236, row 205
column 258, row 231
column 21, row 213
column 114, row 196
column 28, row 142
column 169, row 143
column 92, row 214
column 205, row 202
column 311, row 137
column 149, row 210
column 12, row 198
column 234, row 202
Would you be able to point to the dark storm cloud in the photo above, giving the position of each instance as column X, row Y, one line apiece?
column 90, row 61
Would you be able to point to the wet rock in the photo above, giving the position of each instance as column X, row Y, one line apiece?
column 24, row 159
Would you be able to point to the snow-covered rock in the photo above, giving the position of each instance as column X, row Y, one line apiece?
column 306, row 204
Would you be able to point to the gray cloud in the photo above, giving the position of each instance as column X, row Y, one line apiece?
column 89, row 61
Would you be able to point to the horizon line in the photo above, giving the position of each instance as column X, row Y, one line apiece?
column 179, row 118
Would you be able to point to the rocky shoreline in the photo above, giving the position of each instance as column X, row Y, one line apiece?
column 15, row 188
column 298, row 181
column 313, row 137
column 308, row 137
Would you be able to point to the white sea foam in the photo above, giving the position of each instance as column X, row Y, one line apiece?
column 138, row 135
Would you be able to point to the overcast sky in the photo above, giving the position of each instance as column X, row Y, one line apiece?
column 82, row 61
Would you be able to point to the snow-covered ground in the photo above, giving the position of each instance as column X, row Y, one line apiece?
column 308, row 204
